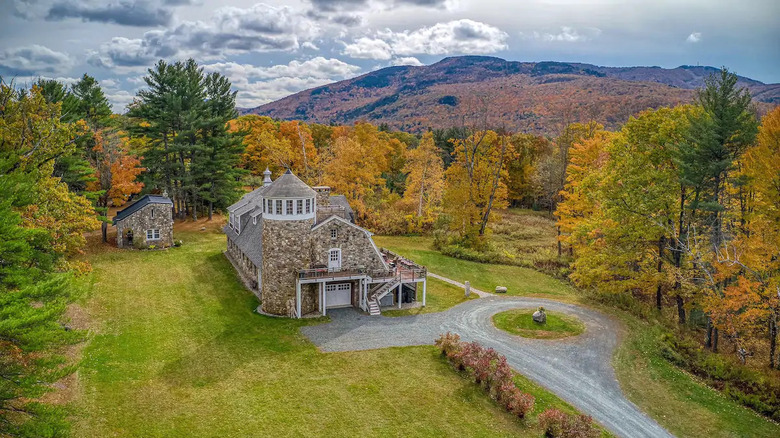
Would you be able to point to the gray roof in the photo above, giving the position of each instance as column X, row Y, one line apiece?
column 252, row 197
column 139, row 204
column 289, row 186
column 341, row 201
column 250, row 241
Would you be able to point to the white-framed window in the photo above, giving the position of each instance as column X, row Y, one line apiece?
column 334, row 233
column 308, row 206
column 299, row 206
column 290, row 207
column 278, row 206
column 152, row 234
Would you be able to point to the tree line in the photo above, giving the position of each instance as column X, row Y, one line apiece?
column 681, row 206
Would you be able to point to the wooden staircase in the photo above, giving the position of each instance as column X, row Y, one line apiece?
column 373, row 308
column 379, row 293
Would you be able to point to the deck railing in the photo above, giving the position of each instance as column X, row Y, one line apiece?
column 404, row 273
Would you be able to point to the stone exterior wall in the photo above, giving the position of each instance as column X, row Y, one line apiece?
column 285, row 252
column 356, row 247
column 142, row 220
column 242, row 262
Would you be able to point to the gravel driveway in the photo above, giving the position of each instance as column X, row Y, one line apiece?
column 577, row 369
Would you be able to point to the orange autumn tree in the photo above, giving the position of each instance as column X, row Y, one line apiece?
column 277, row 146
column 752, row 303
column 358, row 157
column 116, row 171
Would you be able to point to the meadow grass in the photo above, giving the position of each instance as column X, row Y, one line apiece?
column 519, row 281
column 176, row 350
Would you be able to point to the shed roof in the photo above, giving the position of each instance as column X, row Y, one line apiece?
column 139, row 204
column 289, row 186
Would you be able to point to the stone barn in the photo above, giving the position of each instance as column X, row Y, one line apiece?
column 147, row 221
column 299, row 249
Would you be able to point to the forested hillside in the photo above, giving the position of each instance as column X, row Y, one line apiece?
column 521, row 96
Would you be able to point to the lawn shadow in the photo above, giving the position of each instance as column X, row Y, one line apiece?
column 239, row 335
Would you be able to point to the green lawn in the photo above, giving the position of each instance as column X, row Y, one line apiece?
column 440, row 296
column 519, row 281
column 175, row 350
column 672, row 397
column 520, row 322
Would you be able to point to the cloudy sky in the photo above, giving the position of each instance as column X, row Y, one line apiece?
column 275, row 48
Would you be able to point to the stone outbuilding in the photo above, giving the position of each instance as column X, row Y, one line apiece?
column 146, row 222
column 299, row 249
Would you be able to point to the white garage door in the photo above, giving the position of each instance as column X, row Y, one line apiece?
column 338, row 295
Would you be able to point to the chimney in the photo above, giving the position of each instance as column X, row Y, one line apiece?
column 323, row 195
column 267, row 178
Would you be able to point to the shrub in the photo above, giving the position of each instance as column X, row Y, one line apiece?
column 552, row 421
column 177, row 243
column 558, row 424
column 152, row 247
column 448, row 343
column 489, row 370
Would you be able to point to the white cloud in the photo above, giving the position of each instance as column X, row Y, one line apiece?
column 567, row 35
column 694, row 37
column 231, row 31
column 259, row 85
column 33, row 60
column 369, row 48
column 408, row 60
column 454, row 37
column 119, row 99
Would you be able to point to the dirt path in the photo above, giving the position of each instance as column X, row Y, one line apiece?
column 577, row 369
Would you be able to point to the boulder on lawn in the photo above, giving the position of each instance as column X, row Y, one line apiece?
column 539, row 316
column 500, row 289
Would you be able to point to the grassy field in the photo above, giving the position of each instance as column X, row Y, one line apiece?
column 518, row 280
column 672, row 397
column 175, row 350
column 439, row 296
column 520, row 322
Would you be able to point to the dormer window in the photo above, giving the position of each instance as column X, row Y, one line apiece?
column 299, row 206
column 290, row 207
column 278, row 206
column 308, row 206
column 334, row 233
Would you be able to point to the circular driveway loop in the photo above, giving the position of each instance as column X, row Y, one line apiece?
column 577, row 369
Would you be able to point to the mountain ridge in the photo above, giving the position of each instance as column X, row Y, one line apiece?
column 526, row 96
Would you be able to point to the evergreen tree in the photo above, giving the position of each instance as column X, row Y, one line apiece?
column 40, row 224
column 191, row 155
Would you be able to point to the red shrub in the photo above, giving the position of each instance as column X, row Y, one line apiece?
column 489, row 369
column 557, row 424
column 552, row 422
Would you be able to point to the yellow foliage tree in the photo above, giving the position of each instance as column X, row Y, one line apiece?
column 424, row 183
column 475, row 184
